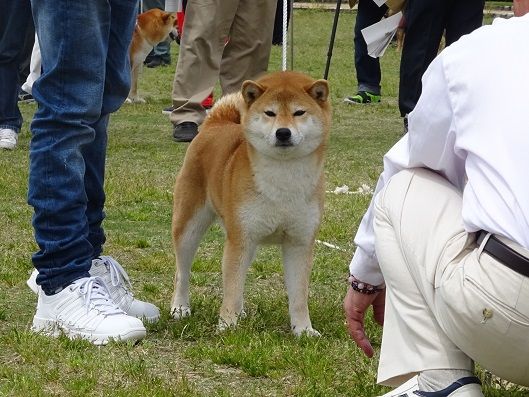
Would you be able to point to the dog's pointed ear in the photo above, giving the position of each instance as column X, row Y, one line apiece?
column 319, row 90
column 166, row 16
column 251, row 91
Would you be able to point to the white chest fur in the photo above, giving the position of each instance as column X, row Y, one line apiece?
column 287, row 201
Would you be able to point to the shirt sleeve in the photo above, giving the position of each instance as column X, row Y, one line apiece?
column 429, row 143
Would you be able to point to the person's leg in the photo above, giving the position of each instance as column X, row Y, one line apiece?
column 463, row 18
column 247, row 53
column 425, row 23
column 277, row 35
column 25, row 60
column 367, row 68
column 163, row 51
column 206, row 27
column 15, row 20
column 70, row 97
column 419, row 232
column 116, row 89
column 448, row 301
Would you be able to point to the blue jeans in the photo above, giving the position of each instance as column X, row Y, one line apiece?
column 367, row 68
column 15, row 21
column 85, row 77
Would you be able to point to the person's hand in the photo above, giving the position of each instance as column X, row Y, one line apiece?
column 520, row 7
column 355, row 305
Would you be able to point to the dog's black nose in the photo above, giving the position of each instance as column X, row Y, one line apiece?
column 283, row 134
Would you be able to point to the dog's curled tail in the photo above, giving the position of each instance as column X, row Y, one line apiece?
column 228, row 108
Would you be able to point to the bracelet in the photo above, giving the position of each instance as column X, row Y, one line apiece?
column 364, row 288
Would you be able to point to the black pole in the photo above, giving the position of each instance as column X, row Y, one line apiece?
column 333, row 34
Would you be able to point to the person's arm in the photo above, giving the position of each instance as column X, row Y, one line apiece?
column 430, row 143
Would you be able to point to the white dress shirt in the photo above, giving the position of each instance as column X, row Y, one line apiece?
column 471, row 124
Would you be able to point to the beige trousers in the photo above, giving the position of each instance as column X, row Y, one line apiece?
column 447, row 302
column 205, row 56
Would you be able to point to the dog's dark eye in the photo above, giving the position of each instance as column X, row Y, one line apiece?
column 299, row 113
column 269, row 113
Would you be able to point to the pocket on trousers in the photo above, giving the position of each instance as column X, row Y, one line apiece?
column 489, row 309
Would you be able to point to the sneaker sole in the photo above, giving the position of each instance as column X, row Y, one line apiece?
column 182, row 140
column 150, row 320
column 52, row 328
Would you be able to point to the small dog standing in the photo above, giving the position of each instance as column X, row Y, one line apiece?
column 256, row 166
column 152, row 27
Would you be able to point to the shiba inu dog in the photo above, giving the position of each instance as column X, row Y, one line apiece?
column 151, row 28
column 256, row 166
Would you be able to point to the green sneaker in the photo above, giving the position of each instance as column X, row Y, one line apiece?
column 362, row 97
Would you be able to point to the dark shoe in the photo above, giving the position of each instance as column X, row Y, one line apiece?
column 158, row 61
column 149, row 58
column 185, row 132
column 25, row 97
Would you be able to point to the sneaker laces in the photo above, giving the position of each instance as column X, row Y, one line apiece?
column 96, row 295
column 118, row 275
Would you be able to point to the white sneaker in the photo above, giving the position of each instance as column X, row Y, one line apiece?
column 464, row 387
column 85, row 310
column 8, row 138
column 118, row 284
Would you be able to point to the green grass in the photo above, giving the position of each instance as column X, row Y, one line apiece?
column 188, row 357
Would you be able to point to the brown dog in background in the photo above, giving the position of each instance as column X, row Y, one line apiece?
column 256, row 166
column 152, row 27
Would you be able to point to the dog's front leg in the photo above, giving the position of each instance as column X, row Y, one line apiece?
column 238, row 255
column 297, row 262
column 134, row 76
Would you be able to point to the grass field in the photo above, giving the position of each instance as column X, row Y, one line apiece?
column 188, row 357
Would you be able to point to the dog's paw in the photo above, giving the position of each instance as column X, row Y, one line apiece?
column 309, row 331
column 224, row 325
column 180, row 312
column 229, row 321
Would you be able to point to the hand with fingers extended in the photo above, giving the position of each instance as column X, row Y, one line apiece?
column 355, row 306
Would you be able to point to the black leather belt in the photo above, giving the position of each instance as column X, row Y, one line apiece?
column 504, row 254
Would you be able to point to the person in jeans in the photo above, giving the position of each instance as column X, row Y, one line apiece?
column 17, row 26
column 368, row 73
column 82, row 293
column 443, row 250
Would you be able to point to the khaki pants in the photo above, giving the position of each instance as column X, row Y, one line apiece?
column 447, row 302
column 205, row 57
